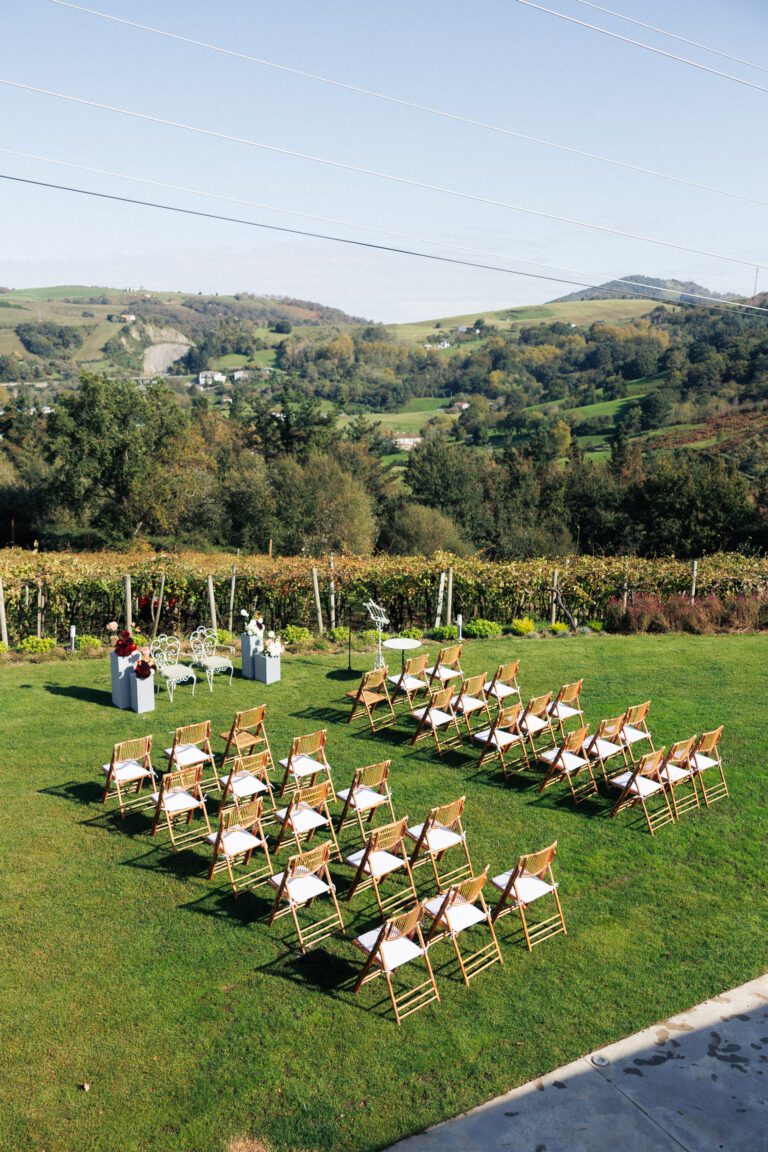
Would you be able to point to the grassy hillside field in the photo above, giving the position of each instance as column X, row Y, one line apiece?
column 195, row 1025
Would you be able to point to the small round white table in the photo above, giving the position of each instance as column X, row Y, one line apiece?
column 402, row 644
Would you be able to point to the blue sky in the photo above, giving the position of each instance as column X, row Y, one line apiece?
column 495, row 61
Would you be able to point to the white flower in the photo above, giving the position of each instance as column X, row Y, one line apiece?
column 243, row 612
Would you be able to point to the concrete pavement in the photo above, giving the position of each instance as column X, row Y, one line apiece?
column 697, row 1082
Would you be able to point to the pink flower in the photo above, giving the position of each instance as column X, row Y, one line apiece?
column 112, row 626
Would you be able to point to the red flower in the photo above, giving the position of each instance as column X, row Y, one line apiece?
column 143, row 669
column 125, row 644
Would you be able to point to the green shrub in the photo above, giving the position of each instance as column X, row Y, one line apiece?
column 3, row 648
column 223, row 636
column 339, row 634
column 523, row 626
column 412, row 633
column 295, row 634
column 481, row 629
column 444, row 632
column 559, row 628
column 33, row 645
column 370, row 636
column 86, row 643
column 595, row 625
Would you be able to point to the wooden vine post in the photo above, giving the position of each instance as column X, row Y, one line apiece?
column 128, row 604
column 40, row 602
column 232, row 596
column 694, row 574
column 440, row 591
column 449, row 603
column 553, row 597
column 156, row 615
column 318, row 604
column 333, row 595
column 3, row 623
column 212, row 603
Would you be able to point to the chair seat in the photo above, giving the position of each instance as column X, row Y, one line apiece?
column 444, row 673
column 630, row 735
column 458, row 917
column 502, row 738
column 176, row 672
column 501, row 691
column 214, row 663
column 699, row 762
column 392, row 953
column 526, row 888
column 532, row 724
column 438, row 839
column 673, row 773
column 363, row 799
column 301, row 888
column 568, row 762
column 409, row 683
column 178, row 801
column 187, row 755
column 437, row 718
column 304, row 766
column 303, row 819
column 468, row 704
column 242, row 739
column 244, row 784
column 367, row 697
column 378, row 863
column 641, row 785
column 235, row 841
column 127, row 771
column 603, row 748
column 563, row 711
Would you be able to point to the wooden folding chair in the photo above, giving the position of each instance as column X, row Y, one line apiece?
column 411, row 682
column 368, row 794
column 453, row 912
column 372, row 694
column 441, row 831
column 504, row 683
column 536, row 723
column 192, row 747
column 635, row 728
column 248, row 734
column 307, row 811
column 306, row 877
column 437, row 716
column 470, row 701
column 676, row 771
column 247, row 778
column 239, row 835
column 528, row 881
column 447, row 666
column 567, row 761
column 706, row 755
column 567, row 705
column 642, row 784
column 606, row 744
column 384, row 854
column 399, row 941
column 129, row 768
column 180, row 796
column 305, row 762
column 502, row 738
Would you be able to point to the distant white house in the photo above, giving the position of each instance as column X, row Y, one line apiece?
column 227, row 400
column 459, row 406
column 444, row 344
column 407, row 443
column 127, row 317
column 206, row 379
column 240, row 374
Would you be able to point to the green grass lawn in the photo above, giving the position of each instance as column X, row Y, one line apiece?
column 193, row 1022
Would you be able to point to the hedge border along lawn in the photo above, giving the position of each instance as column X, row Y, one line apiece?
column 123, row 967
column 87, row 588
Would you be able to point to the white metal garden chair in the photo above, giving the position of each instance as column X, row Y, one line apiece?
column 205, row 646
column 165, row 653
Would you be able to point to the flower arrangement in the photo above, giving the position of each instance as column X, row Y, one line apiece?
column 143, row 669
column 273, row 647
column 255, row 625
column 125, row 645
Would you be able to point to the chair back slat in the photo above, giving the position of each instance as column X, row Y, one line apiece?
column 536, row 863
column 193, row 733
column 314, row 860
column 416, row 666
column 441, row 699
column 569, row 692
column 316, row 796
column 507, row 672
column 450, row 656
column 372, row 775
column 680, row 752
column 250, row 718
column 708, row 741
column 183, row 780
column 574, row 741
column 446, row 815
column 307, row 745
column 242, row 816
column 403, row 925
column 473, row 685
column 469, row 889
column 650, row 764
column 610, row 729
column 388, row 836
column 538, row 705
column 637, row 714
column 136, row 749
column 373, row 679
column 257, row 764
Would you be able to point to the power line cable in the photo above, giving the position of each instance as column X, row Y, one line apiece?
column 414, row 105
column 336, row 239
column 410, row 182
column 647, row 47
column 652, row 28
column 344, row 223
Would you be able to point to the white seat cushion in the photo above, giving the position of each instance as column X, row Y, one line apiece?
column 363, row 798
column 304, row 766
column 568, row 762
column 641, row 785
column 459, row 916
column 409, row 684
column 126, row 771
column 215, row 663
column 532, row 724
column 562, row 711
column 235, row 841
column 438, row 839
column 187, row 755
column 603, row 748
column 303, row 819
column 527, row 888
column 673, row 773
column 176, row 672
column 437, row 718
column 444, row 673
column 699, row 762
column 631, row 735
column 501, row 691
column 468, row 704
column 244, row 784
column 502, row 738
column 178, row 801
column 392, row 953
column 301, row 888
column 378, row 864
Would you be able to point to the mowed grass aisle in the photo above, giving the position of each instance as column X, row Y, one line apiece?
column 194, row 1025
